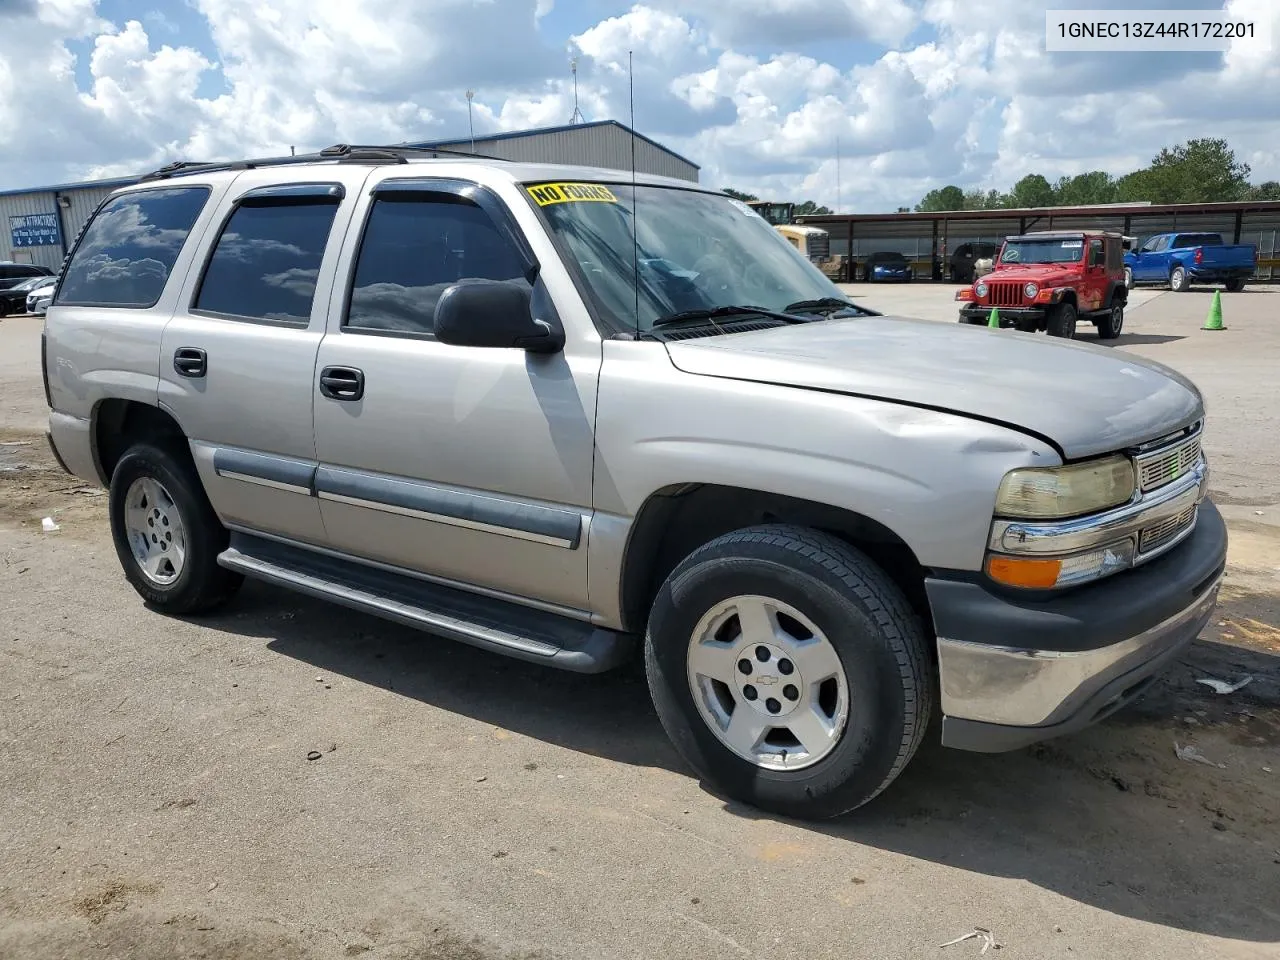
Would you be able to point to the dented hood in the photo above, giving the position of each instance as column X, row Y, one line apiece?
column 1084, row 398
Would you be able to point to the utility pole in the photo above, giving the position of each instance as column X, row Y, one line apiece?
column 470, row 122
column 837, row 174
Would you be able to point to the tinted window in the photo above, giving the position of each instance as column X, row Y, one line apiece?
column 412, row 250
column 126, row 253
column 265, row 264
column 1095, row 253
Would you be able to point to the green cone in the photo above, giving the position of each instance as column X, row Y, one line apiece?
column 993, row 321
column 1214, row 320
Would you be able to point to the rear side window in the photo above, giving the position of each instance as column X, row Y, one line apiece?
column 413, row 248
column 266, row 261
column 127, row 252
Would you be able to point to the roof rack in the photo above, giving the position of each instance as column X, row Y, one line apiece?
column 341, row 152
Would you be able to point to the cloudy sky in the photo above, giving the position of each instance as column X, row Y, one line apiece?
column 919, row 92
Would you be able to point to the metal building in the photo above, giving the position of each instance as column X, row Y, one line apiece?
column 603, row 143
column 40, row 224
column 943, row 246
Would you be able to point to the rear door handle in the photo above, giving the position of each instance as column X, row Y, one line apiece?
column 342, row 383
column 190, row 362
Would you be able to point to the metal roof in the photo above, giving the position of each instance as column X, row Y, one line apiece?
column 563, row 128
column 1103, row 210
column 111, row 183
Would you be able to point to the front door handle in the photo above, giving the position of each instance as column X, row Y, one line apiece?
column 342, row 383
column 190, row 362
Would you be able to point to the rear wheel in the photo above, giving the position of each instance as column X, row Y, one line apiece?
column 1062, row 321
column 1109, row 326
column 1235, row 285
column 1178, row 280
column 166, row 533
column 789, row 670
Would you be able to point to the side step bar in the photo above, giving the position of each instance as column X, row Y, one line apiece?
column 497, row 625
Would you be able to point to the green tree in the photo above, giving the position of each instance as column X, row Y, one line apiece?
column 1084, row 189
column 739, row 195
column 1134, row 187
column 1269, row 190
column 1198, row 171
column 944, row 198
column 1033, row 190
column 809, row 207
column 990, row 200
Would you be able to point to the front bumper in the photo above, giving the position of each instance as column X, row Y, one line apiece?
column 1009, row 316
column 1017, row 671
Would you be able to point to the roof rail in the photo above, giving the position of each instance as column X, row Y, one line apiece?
column 395, row 149
column 182, row 167
column 341, row 152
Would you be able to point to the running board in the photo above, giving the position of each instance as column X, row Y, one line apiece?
column 498, row 625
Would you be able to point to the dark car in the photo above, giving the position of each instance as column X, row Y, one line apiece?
column 887, row 265
column 11, row 273
column 14, row 290
column 962, row 260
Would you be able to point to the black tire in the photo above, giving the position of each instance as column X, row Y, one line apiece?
column 201, row 585
column 1110, row 325
column 1062, row 321
column 1234, row 285
column 878, row 638
column 1179, row 282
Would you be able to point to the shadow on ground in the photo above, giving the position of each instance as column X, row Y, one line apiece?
column 1108, row 817
column 1133, row 339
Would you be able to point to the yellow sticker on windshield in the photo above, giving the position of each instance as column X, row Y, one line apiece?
column 545, row 194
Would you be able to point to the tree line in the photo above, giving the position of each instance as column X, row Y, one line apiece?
column 802, row 209
column 1198, row 171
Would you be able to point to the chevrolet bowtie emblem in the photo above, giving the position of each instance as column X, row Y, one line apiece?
column 766, row 679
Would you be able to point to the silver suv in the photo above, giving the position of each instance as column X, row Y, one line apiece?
column 568, row 418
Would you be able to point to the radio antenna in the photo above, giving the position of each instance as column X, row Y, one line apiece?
column 635, row 212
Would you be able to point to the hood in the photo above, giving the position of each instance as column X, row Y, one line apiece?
column 1083, row 398
column 1044, row 274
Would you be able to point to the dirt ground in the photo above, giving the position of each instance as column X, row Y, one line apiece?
column 157, row 800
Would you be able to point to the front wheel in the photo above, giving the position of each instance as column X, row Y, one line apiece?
column 1178, row 280
column 789, row 670
column 166, row 533
column 1062, row 321
column 1128, row 278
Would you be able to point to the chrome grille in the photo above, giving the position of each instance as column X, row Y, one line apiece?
column 1005, row 293
column 1165, row 466
column 1159, row 534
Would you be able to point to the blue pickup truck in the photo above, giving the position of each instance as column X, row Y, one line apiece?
column 1180, row 259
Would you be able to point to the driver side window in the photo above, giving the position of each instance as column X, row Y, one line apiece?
column 1154, row 245
column 1095, row 253
column 412, row 250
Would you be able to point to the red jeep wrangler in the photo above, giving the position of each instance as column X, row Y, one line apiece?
column 1049, row 281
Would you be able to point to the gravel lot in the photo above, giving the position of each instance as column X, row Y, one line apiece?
column 158, row 801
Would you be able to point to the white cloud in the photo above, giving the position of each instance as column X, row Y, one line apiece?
column 748, row 89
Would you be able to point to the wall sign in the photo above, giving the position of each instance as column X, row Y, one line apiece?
column 36, row 230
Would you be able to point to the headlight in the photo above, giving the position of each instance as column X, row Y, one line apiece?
column 1049, row 493
column 980, row 289
column 1030, row 290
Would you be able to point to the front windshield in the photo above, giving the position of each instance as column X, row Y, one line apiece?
column 695, row 251
column 1042, row 251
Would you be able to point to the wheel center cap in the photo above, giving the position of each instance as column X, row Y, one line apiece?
column 767, row 679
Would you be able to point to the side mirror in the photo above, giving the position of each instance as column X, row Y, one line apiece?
column 495, row 313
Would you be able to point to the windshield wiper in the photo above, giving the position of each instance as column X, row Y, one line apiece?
column 829, row 304
column 733, row 310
